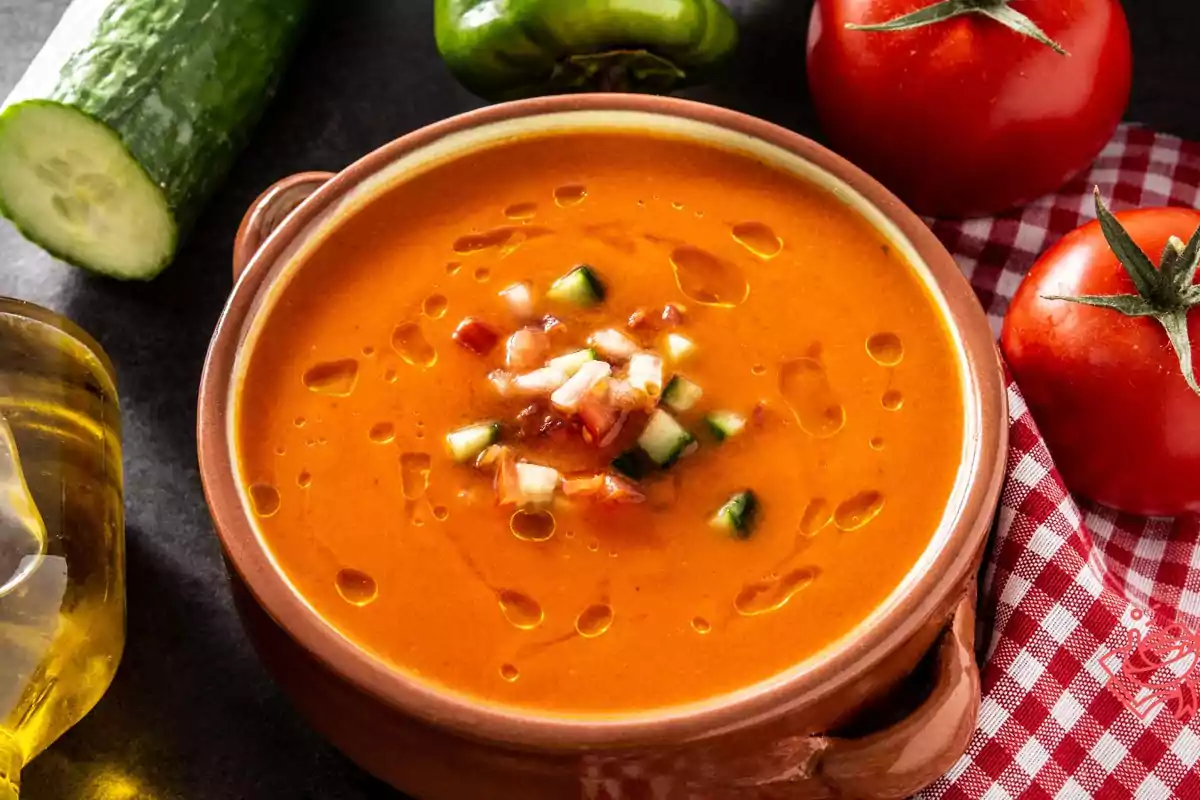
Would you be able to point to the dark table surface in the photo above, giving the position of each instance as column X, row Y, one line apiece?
column 192, row 714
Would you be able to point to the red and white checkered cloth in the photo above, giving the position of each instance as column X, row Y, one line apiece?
column 1089, row 618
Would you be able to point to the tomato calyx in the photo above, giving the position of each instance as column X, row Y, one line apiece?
column 998, row 10
column 1165, row 293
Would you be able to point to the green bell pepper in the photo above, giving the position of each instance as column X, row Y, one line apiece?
column 503, row 49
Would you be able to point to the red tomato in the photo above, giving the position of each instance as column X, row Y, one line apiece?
column 965, row 116
column 1106, row 389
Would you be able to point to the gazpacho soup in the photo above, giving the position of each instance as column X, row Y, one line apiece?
column 599, row 422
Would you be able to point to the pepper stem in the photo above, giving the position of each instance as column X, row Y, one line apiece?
column 1165, row 293
column 998, row 10
column 617, row 71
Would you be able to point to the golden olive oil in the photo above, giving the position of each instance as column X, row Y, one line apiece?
column 62, row 588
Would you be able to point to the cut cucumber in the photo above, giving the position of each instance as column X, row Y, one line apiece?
column 571, row 362
column 633, row 464
column 466, row 443
column 738, row 516
column 579, row 287
column 725, row 424
column 664, row 439
column 681, row 394
column 129, row 118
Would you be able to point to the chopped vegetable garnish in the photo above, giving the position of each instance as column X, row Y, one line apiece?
column 491, row 455
column 604, row 487
column 646, row 373
column 566, row 398
column 622, row 395
column 467, row 443
column 552, row 324
column 602, row 421
column 526, row 349
column 476, row 336
column 613, row 344
column 678, row 347
column 537, row 483
column 738, row 516
column 571, row 362
column 673, row 314
column 539, row 382
column 633, row 463
column 640, row 320
column 725, row 424
column 508, row 484
column 681, row 394
column 519, row 298
column 579, row 287
column 664, row 439
column 501, row 381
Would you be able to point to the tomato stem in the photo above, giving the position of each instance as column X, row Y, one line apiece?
column 998, row 10
column 1165, row 293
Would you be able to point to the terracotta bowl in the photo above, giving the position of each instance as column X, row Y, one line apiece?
column 767, row 740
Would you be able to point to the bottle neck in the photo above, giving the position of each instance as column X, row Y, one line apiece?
column 11, row 762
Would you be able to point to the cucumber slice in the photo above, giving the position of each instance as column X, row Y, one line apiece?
column 664, row 439
column 466, row 443
column 579, row 287
column 571, row 362
column 738, row 516
column 69, row 184
column 681, row 394
column 725, row 424
column 130, row 116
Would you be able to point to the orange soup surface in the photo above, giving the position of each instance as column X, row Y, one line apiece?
column 537, row 574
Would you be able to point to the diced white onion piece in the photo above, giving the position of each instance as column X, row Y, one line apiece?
column 622, row 395
column 539, row 382
column 567, row 397
column 519, row 298
column 501, row 381
column 571, row 362
column 537, row 483
column 613, row 344
column 679, row 347
column 646, row 373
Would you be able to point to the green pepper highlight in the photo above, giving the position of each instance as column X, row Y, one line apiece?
column 506, row 49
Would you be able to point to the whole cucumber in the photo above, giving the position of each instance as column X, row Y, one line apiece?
column 129, row 118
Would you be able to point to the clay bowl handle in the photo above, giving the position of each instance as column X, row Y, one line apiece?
column 269, row 211
column 913, row 753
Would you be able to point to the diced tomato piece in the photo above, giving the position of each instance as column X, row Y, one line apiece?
column 527, row 349
column 508, row 481
column 476, row 335
column 587, row 486
column 641, row 320
column 620, row 490
column 673, row 314
column 603, row 487
column 600, row 417
column 554, row 325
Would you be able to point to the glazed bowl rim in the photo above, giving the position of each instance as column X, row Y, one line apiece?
column 248, row 555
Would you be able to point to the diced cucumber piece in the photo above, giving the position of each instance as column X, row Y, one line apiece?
column 738, row 516
column 633, row 464
column 664, row 439
column 679, row 347
column 579, row 287
column 725, row 424
column 571, row 362
column 466, row 443
column 681, row 394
